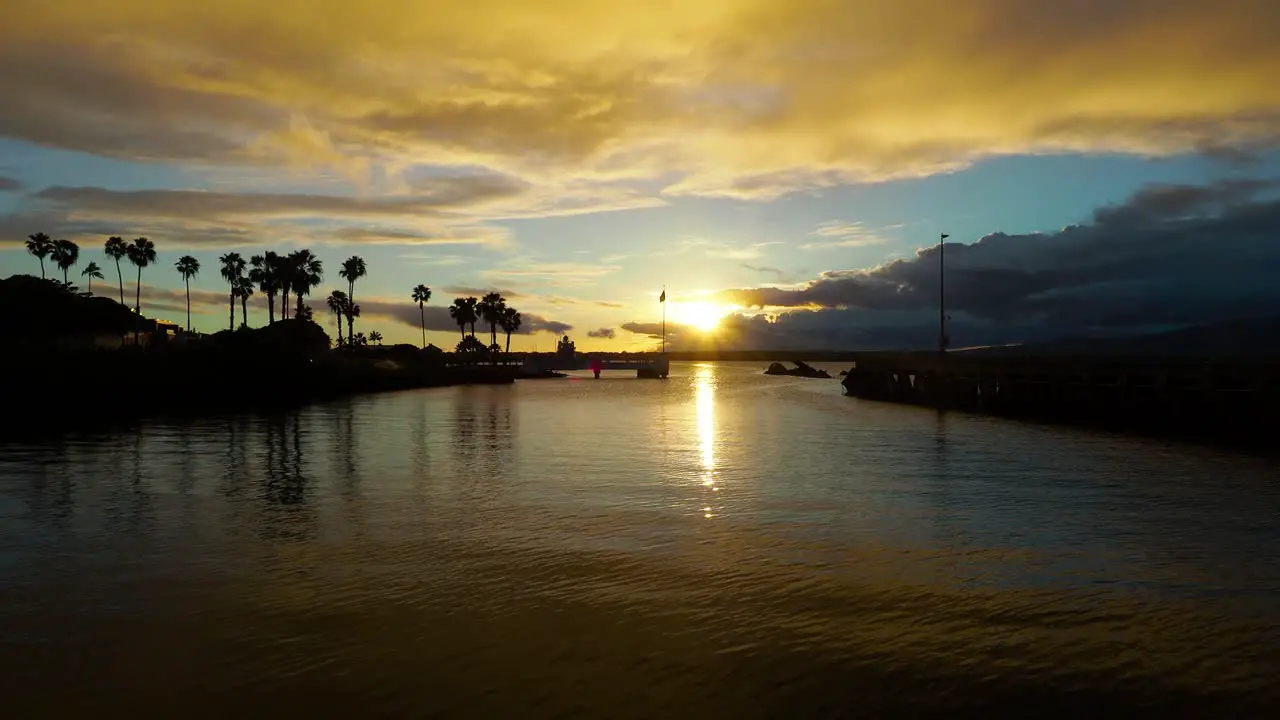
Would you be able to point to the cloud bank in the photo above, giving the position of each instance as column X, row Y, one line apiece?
column 751, row 98
column 1170, row 256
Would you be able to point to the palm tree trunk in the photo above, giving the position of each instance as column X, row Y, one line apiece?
column 188, row 283
column 231, row 324
column 271, row 308
column 339, row 329
column 284, row 304
column 137, row 297
column 120, row 277
column 463, row 329
column 90, row 288
column 423, row 315
column 508, row 343
column 41, row 266
column 244, row 310
column 65, row 281
column 351, row 319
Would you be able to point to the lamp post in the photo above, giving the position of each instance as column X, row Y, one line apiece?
column 942, row 309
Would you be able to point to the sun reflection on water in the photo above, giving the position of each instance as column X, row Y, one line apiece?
column 705, row 412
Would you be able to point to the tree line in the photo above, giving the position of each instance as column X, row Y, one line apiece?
column 279, row 275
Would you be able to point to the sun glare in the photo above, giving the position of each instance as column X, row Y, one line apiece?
column 704, row 316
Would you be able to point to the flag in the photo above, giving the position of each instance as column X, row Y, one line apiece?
column 663, row 296
column 945, row 236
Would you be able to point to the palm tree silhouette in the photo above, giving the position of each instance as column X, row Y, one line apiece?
column 307, row 272
column 510, row 323
column 490, row 310
column 351, row 310
column 91, row 271
column 141, row 253
column 116, row 249
column 65, row 254
column 472, row 313
column 284, row 276
column 353, row 268
column 232, row 270
column 375, row 337
column 40, row 245
column 244, row 289
column 421, row 295
column 463, row 314
column 338, row 302
column 265, row 273
column 188, row 267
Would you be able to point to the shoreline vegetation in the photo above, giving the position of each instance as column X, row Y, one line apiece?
column 72, row 357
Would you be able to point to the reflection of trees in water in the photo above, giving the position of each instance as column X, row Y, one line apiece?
column 483, row 437
column 421, row 455
column 131, row 508
column 50, row 493
column 285, row 514
column 284, row 482
column 234, row 463
column 482, row 427
column 346, row 452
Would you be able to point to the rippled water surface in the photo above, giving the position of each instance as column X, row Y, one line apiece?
column 721, row 544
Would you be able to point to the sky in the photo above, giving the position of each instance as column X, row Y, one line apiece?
column 783, row 169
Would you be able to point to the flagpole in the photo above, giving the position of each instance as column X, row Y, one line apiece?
column 664, row 319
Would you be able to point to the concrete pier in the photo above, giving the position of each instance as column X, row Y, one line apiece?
column 1194, row 396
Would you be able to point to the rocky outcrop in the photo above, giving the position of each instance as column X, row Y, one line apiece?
column 801, row 369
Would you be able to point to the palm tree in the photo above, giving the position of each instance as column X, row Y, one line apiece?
column 462, row 314
column 116, row 249
column 66, row 254
column 490, row 310
column 421, row 295
column 338, row 302
column 353, row 269
column 306, row 273
column 141, row 253
column 244, row 289
column 232, row 270
column 510, row 323
column 472, row 313
column 266, row 273
column 40, row 245
column 91, row 271
column 188, row 267
column 351, row 310
column 375, row 337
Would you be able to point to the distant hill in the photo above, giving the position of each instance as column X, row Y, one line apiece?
column 1239, row 338
column 41, row 309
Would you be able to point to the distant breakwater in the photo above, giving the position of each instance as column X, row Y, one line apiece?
column 1222, row 400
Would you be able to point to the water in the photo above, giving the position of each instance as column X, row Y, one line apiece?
column 721, row 544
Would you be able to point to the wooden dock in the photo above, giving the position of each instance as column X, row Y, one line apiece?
column 1196, row 396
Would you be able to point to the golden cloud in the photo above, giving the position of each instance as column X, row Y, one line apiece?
column 748, row 98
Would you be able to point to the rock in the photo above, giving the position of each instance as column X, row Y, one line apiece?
column 801, row 369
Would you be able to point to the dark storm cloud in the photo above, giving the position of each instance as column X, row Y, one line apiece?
column 603, row 333
column 1170, row 255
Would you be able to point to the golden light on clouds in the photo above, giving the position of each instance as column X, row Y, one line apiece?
column 748, row 98
column 703, row 316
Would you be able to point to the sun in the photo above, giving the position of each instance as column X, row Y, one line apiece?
column 704, row 316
